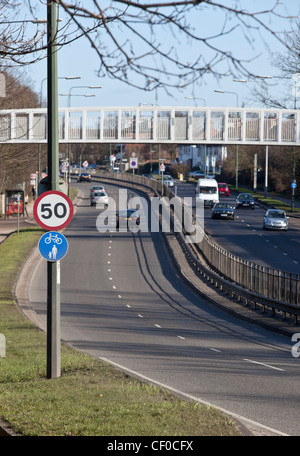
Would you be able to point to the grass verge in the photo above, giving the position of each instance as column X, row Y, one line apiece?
column 269, row 201
column 90, row 398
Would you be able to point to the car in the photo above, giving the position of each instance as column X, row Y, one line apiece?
column 75, row 169
column 99, row 196
column 197, row 174
column 126, row 215
column 168, row 180
column 84, row 177
column 245, row 200
column 275, row 219
column 223, row 210
column 97, row 187
column 223, row 189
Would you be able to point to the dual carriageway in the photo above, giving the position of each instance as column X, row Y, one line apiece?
column 125, row 301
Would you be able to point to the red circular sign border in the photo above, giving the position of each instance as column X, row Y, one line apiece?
column 59, row 227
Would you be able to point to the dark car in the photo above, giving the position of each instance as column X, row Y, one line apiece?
column 84, row 177
column 125, row 216
column 245, row 200
column 223, row 210
column 223, row 189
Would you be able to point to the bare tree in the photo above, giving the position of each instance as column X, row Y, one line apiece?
column 143, row 43
column 287, row 66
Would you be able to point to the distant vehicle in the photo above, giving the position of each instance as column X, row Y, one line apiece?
column 223, row 210
column 97, row 187
column 223, row 189
column 275, row 219
column 245, row 200
column 168, row 180
column 75, row 169
column 207, row 191
column 150, row 176
column 84, row 177
column 124, row 216
column 196, row 173
column 99, row 196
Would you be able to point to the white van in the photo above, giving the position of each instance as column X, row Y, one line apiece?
column 207, row 191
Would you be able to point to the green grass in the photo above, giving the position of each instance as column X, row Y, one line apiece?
column 269, row 201
column 90, row 398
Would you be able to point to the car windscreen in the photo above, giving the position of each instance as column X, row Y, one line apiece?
column 245, row 197
column 223, row 206
column 99, row 194
column 209, row 190
column 276, row 214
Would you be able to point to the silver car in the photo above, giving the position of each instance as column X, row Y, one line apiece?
column 275, row 219
column 99, row 196
column 168, row 180
column 97, row 187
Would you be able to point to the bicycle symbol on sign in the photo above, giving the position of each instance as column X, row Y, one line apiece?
column 54, row 238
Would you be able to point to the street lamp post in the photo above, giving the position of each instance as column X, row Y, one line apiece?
column 234, row 93
column 237, row 147
column 41, row 98
column 81, row 87
column 196, row 98
column 69, row 95
column 53, row 268
column 67, row 78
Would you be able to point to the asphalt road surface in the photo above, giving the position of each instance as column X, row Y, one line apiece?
column 244, row 236
column 122, row 300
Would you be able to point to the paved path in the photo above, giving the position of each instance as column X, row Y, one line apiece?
column 10, row 225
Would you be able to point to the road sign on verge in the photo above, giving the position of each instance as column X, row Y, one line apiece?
column 53, row 210
column 53, row 246
column 133, row 162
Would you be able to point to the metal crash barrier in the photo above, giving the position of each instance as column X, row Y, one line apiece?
column 250, row 283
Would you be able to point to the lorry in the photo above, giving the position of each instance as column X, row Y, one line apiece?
column 207, row 192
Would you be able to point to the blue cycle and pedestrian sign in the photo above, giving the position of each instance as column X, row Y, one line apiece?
column 53, row 246
column 53, row 210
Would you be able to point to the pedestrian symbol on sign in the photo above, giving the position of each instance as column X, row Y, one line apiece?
column 53, row 246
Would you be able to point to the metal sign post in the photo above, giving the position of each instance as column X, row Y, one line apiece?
column 53, row 269
column 53, row 211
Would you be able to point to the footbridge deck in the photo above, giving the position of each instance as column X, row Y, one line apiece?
column 157, row 124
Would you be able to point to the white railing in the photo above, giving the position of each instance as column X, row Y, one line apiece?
column 155, row 124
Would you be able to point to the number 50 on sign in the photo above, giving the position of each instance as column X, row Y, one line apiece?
column 53, row 210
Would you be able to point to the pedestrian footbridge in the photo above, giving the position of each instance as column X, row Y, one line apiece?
column 155, row 125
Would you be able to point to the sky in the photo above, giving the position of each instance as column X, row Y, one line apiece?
column 78, row 59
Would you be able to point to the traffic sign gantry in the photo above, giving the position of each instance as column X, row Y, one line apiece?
column 53, row 210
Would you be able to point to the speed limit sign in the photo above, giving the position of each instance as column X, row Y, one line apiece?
column 53, row 210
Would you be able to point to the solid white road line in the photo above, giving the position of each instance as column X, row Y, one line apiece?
column 197, row 399
column 263, row 364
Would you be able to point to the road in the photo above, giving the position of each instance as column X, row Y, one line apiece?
column 246, row 238
column 122, row 300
